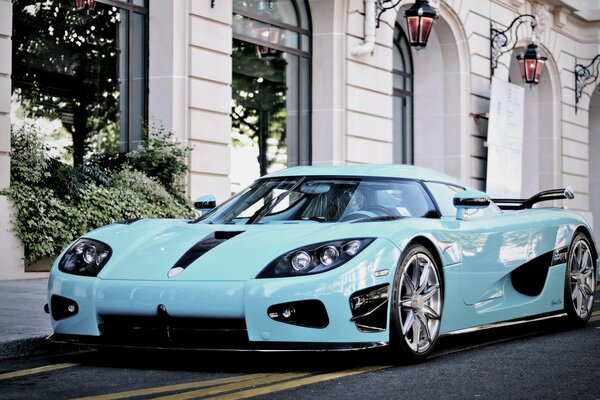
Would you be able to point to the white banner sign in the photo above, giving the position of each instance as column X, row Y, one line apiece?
column 505, row 140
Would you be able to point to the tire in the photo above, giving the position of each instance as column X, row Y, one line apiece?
column 417, row 302
column 580, row 281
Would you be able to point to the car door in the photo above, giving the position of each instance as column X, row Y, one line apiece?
column 492, row 246
column 492, row 243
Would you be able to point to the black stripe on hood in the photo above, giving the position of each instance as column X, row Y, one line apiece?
column 199, row 249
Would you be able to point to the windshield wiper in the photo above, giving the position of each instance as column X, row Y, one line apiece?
column 264, row 210
column 378, row 218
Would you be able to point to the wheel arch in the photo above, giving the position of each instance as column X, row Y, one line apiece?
column 429, row 245
column 397, row 339
column 588, row 234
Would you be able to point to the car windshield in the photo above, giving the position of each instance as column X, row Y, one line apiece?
column 324, row 200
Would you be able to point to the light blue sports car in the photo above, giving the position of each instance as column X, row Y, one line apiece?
column 343, row 257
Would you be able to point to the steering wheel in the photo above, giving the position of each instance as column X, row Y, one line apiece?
column 358, row 215
column 380, row 210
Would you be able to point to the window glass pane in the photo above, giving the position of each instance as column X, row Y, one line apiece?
column 409, row 138
column 397, row 59
column 264, row 32
column 399, row 126
column 292, row 122
column 305, row 112
column 278, row 10
column 259, row 111
column 304, row 18
column 138, row 111
column 305, row 43
column 123, row 41
column 271, row 88
column 403, row 101
column 398, row 81
column 405, row 50
column 71, row 75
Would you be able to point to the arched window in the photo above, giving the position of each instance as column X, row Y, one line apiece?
column 270, row 86
column 403, row 99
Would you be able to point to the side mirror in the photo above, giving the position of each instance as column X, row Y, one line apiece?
column 469, row 200
column 204, row 204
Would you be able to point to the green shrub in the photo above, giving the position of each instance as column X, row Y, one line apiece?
column 56, row 203
column 163, row 157
column 28, row 160
column 44, row 223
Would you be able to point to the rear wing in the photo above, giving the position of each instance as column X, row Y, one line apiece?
column 521, row 204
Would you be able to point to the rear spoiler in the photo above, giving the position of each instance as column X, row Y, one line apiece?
column 521, row 204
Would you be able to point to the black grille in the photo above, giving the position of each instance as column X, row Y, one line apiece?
column 173, row 332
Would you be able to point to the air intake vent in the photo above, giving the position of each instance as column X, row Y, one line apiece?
column 199, row 249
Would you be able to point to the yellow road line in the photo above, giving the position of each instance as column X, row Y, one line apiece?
column 596, row 318
column 173, row 388
column 267, row 380
column 594, row 313
column 293, row 384
column 35, row 370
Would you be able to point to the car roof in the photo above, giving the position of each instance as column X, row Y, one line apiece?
column 369, row 170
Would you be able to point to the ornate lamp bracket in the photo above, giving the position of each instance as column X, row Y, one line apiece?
column 585, row 75
column 384, row 5
column 504, row 41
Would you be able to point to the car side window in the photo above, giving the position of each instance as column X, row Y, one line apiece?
column 443, row 194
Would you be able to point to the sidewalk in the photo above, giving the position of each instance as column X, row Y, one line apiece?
column 23, row 323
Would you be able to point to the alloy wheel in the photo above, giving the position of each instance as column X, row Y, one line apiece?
column 420, row 303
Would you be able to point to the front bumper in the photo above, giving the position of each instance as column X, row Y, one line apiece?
column 222, row 314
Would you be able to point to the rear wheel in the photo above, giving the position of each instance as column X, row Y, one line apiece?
column 416, row 309
column 580, row 282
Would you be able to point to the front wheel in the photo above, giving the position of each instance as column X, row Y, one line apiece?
column 580, row 281
column 416, row 309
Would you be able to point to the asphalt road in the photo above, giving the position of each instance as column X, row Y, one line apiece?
column 537, row 360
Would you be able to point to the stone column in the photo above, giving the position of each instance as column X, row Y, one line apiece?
column 11, row 249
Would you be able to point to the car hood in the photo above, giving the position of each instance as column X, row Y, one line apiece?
column 149, row 249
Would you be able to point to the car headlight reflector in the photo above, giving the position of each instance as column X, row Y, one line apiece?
column 314, row 259
column 85, row 257
column 351, row 248
column 300, row 261
column 89, row 254
column 329, row 255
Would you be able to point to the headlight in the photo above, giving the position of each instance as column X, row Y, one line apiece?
column 316, row 258
column 85, row 257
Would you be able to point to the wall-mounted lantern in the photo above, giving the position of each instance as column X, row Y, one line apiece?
column 531, row 61
column 585, row 75
column 419, row 18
